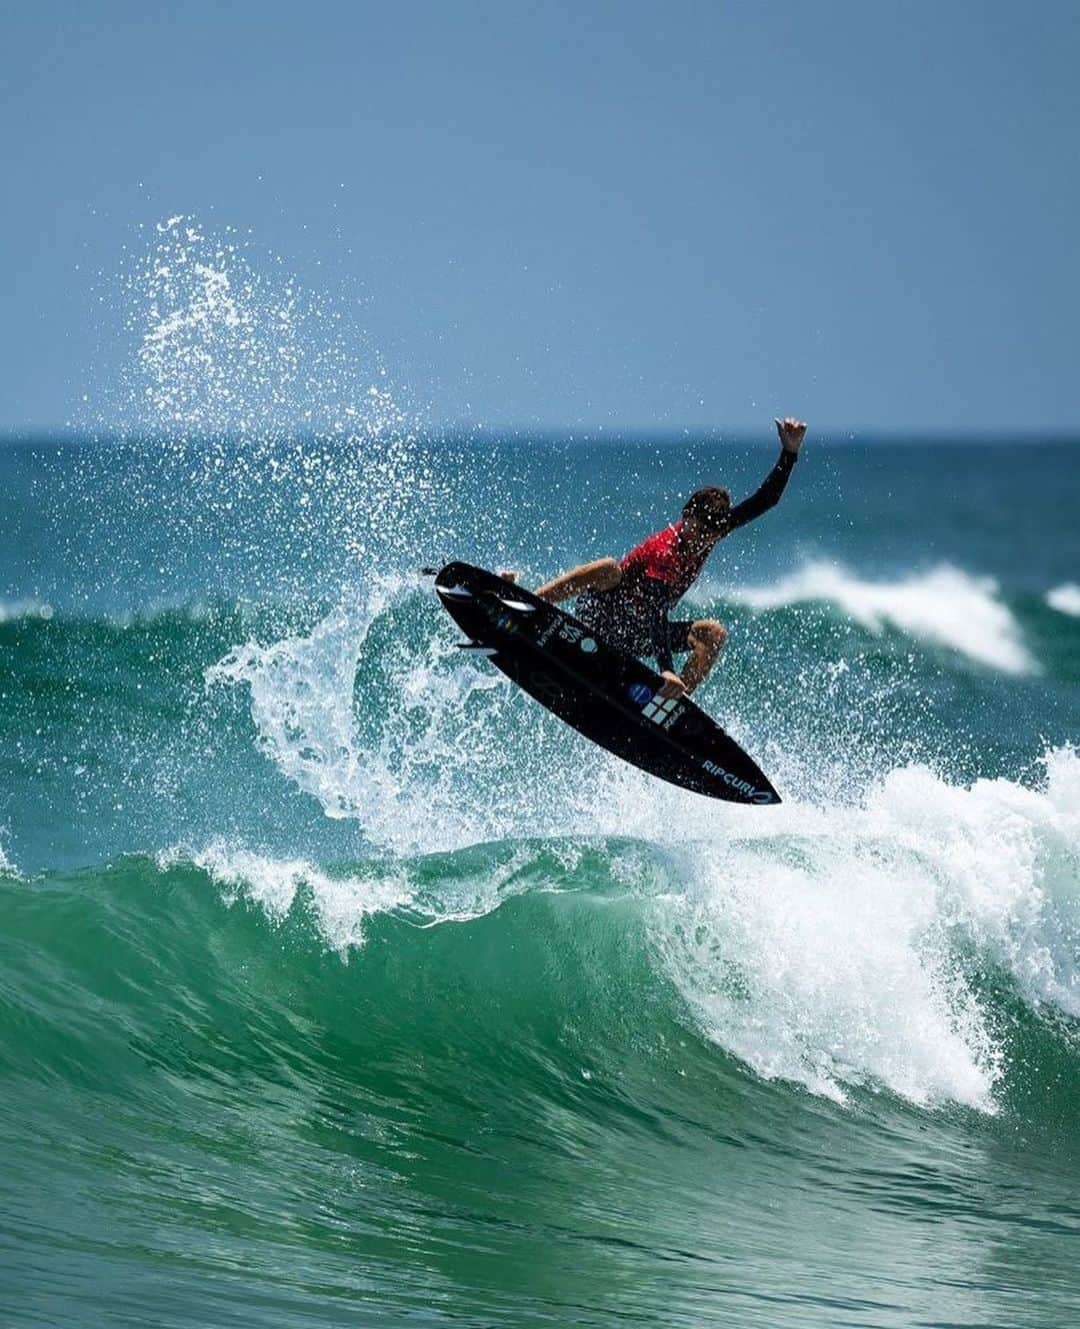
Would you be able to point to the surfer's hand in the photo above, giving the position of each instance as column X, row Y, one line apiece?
column 673, row 685
column 791, row 433
column 508, row 574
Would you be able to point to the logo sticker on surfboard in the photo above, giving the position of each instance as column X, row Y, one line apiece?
column 663, row 711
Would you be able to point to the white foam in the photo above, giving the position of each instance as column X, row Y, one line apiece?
column 13, row 610
column 945, row 606
column 829, row 945
column 1065, row 599
column 301, row 702
column 7, row 867
column 341, row 905
column 835, row 949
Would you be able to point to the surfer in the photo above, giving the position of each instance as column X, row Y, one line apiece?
column 628, row 603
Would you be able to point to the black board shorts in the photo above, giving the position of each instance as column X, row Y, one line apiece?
column 633, row 635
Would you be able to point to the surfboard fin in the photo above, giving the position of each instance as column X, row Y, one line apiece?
column 476, row 646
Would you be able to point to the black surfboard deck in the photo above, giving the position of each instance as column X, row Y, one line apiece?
column 596, row 688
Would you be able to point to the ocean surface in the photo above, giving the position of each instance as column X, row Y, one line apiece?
column 340, row 984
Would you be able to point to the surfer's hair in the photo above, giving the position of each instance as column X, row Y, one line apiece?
column 708, row 506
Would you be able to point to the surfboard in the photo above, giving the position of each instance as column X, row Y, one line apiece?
column 605, row 694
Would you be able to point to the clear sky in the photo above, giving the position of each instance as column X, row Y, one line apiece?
column 580, row 214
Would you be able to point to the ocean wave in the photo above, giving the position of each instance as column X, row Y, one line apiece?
column 11, row 611
column 833, row 946
column 945, row 607
column 187, row 1043
column 838, row 949
column 1065, row 599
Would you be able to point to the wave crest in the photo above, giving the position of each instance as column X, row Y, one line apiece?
column 341, row 905
column 1065, row 599
column 945, row 606
column 11, row 611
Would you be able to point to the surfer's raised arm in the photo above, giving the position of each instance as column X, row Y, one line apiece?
column 791, row 433
column 628, row 604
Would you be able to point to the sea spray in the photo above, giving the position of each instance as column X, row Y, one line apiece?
column 401, row 732
column 264, row 404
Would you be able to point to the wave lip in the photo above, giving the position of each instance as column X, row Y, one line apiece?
column 340, row 904
column 1065, row 599
column 945, row 606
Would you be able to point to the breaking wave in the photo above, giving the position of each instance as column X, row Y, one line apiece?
column 944, row 607
column 883, row 951
column 1065, row 599
column 11, row 611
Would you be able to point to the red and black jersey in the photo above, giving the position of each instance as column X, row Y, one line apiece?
column 658, row 572
column 663, row 557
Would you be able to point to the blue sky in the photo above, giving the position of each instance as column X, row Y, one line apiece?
column 579, row 215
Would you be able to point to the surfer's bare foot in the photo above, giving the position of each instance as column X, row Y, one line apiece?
column 791, row 433
column 673, row 685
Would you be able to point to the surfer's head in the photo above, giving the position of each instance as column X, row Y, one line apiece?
column 706, row 510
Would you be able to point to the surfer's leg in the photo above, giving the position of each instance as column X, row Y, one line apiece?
column 705, row 639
